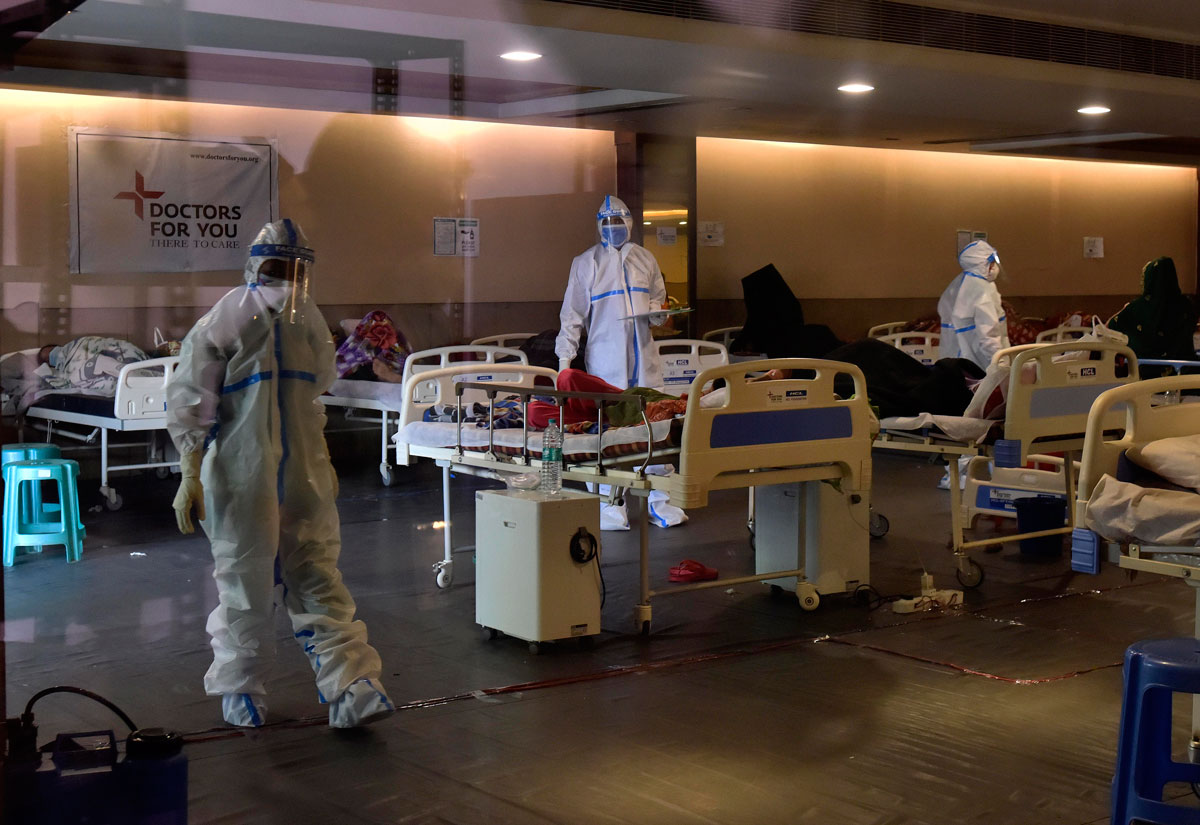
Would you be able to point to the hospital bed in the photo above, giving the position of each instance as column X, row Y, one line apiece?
column 511, row 339
column 1046, row 411
column 139, row 405
column 1067, row 332
column 1146, row 412
column 724, row 335
column 922, row 346
column 683, row 359
column 385, row 398
column 755, row 433
column 890, row 328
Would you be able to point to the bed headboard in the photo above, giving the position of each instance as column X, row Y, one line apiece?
column 920, row 345
column 683, row 359
column 142, row 388
column 775, row 424
column 1141, row 419
column 508, row 339
column 440, row 358
column 1048, row 402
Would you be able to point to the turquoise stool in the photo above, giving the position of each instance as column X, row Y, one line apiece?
column 32, row 507
column 19, row 532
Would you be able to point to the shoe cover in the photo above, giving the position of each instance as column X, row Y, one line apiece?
column 614, row 516
column 245, row 710
column 662, row 512
column 363, row 702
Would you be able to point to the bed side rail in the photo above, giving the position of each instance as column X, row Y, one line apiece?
column 775, row 424
column 508, row 340
column 142, row 388
column 1049, row 402
column 442, row 357
column 437, row 386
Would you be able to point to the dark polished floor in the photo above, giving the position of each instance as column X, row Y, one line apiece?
column 738, row 707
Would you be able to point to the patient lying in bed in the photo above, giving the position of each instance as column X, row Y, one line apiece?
column 89, row 364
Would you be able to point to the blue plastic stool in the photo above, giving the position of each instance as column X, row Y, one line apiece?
column 1153, row 671
column 32, row 506
column 19, row 532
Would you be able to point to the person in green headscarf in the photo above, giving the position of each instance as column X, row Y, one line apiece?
column 1160, row 323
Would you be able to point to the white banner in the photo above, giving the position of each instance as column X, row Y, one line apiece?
column 164, row 203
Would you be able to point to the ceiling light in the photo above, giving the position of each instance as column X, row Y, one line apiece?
column 520, row 56
column 1094, row 110
column 645, row 223
column 856, row 88
column 683, row 223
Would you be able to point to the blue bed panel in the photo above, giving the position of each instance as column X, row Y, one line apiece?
column 780, row 426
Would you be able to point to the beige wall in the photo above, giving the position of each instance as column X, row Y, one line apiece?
column 365, row 188
column 848, row 223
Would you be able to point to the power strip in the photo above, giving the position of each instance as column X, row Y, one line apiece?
column 930, row 599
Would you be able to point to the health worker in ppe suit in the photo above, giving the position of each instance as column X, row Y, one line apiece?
column 613, row 291
column 973, row 322
column 242, row 409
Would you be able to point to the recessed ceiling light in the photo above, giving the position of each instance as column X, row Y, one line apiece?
column 683, row 223
column 856, row 88
column 645, row 223
column 520, row 56
column 1094, row 110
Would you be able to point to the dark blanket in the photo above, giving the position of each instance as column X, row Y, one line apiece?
column 775, row 322
column 899, row 384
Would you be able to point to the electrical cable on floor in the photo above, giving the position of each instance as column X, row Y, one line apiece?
column 219, row 733
column 81, row 692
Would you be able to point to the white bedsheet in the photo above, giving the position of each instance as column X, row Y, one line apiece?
column 441, row 434
column 1120, row 511
column 956, row 427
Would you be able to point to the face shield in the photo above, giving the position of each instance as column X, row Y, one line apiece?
column 613, row 232
column 994, row 270
column 280, row 269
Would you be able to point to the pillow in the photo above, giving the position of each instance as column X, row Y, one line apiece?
column 1175, row 459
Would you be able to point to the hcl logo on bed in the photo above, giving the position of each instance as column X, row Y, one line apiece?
column 787, row 396
column 1083, row 372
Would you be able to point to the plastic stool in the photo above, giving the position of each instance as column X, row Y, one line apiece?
column 1153, row 671
column 19, row 532
column 32, row 507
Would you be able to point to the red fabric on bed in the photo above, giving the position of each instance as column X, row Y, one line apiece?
column 576, row 410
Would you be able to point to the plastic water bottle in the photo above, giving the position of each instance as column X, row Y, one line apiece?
column 551, row 474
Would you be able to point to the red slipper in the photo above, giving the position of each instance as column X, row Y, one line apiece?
column 691, row 571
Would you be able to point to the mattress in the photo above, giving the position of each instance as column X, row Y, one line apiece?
column 388, row 394
column 955, row 427
column 75, row 402
column 617, row 441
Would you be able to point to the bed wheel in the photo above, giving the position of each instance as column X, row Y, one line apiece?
column 807, row 595
column 444, row 578
column 879, row 525
column 645, row 630
column 491, row 632
column 535, row 648
column 113, row 500
column 162, row 473
column 972, row 576
column 385, row 475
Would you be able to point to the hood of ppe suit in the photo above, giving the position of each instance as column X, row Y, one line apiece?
column 281, row 240
column 975, row 258
column 614, row 207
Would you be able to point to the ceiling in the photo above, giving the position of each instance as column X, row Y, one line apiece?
column 653, row 73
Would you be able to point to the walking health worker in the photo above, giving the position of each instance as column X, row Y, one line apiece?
column 243, row 411
column 973, row 322
column 613, row 290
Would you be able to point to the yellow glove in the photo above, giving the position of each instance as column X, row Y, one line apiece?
column 191, row 492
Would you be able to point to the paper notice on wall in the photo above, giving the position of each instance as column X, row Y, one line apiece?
column 712, row 233
column 666, row 235
column 166, row 203
column 445, row 236
column 468, row 237
column 1093, row 247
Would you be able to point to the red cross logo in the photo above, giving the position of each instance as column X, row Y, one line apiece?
column 139, row 192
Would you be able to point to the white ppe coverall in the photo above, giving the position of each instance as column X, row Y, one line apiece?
column 972, row 318
column 246, row 389
column 607, row 284
column 613, row 280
